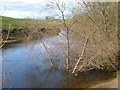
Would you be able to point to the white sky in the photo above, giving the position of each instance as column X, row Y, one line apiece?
column 31, row 8
column 26, row 8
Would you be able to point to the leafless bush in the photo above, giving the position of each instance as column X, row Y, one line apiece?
column 93, row 32
column 102, row 17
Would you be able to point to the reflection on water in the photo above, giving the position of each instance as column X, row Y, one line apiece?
column 27, row 66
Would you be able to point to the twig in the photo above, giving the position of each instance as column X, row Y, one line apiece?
column 50, row 58
column 87, row 62
column 5, row 39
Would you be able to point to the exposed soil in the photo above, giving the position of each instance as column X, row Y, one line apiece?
column 111, row 84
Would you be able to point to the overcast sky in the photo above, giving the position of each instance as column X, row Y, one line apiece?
column 28, row 8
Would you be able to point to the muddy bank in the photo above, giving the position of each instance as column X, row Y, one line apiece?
column 111, row 84
column 21, row 35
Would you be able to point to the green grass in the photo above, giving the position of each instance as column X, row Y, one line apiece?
column 9, row 23
column 14, row 24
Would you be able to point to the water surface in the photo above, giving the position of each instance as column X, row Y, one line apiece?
column 27, row 66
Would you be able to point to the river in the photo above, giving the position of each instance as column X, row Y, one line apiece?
column 26, row 65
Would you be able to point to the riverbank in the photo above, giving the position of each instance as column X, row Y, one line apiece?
column 21, row 30
column 26, row 36
column 110, row 84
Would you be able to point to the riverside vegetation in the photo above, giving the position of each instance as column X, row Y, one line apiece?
column 91, row 34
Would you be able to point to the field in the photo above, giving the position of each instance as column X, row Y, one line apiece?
column 20, row 28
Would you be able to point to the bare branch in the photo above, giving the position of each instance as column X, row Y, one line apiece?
column 81, row 56
column 6, row 38
column 50, row 58
column 88, row 61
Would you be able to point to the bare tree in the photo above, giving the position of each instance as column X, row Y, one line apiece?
column 61, row 8
column 91, row 25
column 98, row 16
